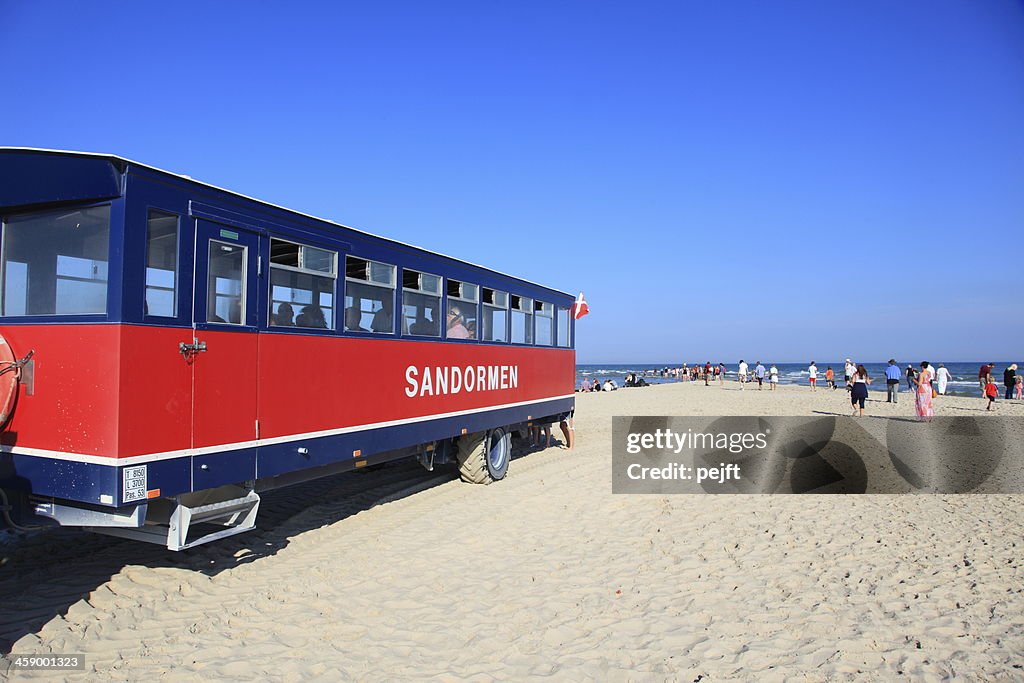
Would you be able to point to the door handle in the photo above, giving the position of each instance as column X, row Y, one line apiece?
column 188, row 350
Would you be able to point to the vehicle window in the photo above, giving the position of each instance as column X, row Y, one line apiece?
column 421, row 303
column 161, row 264
column 562, row 319
column 302, row 283
column 495, row 315
column 545, row 329
column 522, row 320
column 225, row 285
column 461, row 315
column 56, row 263
column 369, row 296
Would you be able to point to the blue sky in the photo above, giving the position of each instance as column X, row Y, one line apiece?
column 784, row 180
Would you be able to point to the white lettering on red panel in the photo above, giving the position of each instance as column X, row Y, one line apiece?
column 445, row 380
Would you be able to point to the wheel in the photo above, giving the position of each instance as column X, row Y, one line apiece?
column 484, row 456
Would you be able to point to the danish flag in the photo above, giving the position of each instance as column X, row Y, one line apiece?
column 579, row 307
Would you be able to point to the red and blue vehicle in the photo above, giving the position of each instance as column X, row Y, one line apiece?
column 170, row 349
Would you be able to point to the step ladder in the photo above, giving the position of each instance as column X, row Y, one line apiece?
column 236, row 515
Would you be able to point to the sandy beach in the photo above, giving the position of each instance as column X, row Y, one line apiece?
column 401, row 573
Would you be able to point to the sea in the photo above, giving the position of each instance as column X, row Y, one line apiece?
column 964, row 374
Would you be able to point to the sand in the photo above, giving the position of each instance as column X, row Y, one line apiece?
column 399, row 574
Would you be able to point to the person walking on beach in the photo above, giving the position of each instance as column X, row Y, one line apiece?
column 985, row 376
column 720, row 371
column 859, row 390
column 892, row 381
column 991, row 391
column 924, row 394
column 742, row 373
column 812, row 372
column 849, row 371
column 1020, row 386
column 830, row 377
column 911, row 378
column 707, row 374
column 1010, row 380
column 942, row 378
column 759, row 373
column 773, row 377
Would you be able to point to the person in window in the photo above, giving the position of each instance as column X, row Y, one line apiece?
column 285, row 316
column 353, row 318
column 382, row 321
column 423, row 326
column 311, row 316
column 456, row 325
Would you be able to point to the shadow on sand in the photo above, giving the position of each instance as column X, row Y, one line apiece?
column 43, row 574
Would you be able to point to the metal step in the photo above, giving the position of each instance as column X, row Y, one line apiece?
column 236, row 515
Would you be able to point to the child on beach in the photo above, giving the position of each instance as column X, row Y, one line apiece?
column 1019, row 387
column 830, row 377
column 991, row 391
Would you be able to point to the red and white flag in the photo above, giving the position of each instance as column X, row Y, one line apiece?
column 579, row 307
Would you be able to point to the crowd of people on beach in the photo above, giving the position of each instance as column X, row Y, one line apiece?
column 926, row 382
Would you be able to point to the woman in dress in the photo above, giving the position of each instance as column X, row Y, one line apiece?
column 923, row 393
column 859, row 389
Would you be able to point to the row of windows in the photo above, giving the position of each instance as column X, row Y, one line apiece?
column 470, row 311
column 56, row 263
column 303, row 282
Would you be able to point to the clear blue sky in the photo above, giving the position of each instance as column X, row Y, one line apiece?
column 784, row 180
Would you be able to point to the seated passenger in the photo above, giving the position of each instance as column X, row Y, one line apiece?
column 423, row 326
column 456, row 327
column 285, row 316
column 353, row 318
column 382, row 320
column 311, row 316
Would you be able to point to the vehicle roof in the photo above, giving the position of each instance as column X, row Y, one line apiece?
column 113, row 157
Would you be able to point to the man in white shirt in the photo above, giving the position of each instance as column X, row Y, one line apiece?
column 742, row 374
column 812, row 372
column 942, row 378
